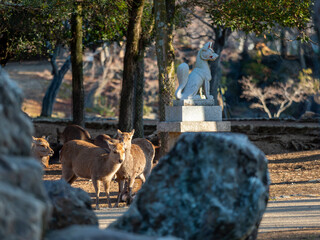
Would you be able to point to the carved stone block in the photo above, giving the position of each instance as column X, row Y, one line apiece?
column 193, row 113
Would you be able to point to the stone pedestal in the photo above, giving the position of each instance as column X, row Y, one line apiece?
column 191, row 116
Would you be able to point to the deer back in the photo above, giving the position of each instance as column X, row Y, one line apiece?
column 134, row 164
column 73, row 132
column 103, row 141
column 149, row 152
column 87, row 159
column 146, row 146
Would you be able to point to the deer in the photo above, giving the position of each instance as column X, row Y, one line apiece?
column 80, row 158
column 139, row 156
column 72, row 132
column 41, row 150
column 102, row 140
column 154, row 139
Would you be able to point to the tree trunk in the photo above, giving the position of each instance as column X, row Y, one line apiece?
column 316, row 20
column 4, row 44
column 77, row 66
column 283, row 106
column 138, row 92
column 245, row 52
column 164, row 23
column 53, row 89
column 100, row 84
column 130, row 64
column 266, row 109
column 221, row 37
column 301, row 55
column 283, row 44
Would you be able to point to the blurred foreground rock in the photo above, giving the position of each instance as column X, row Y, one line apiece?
column 209, row 186
column 94, row 233
column 24, row 206
column 71, row 206
column 15, row 127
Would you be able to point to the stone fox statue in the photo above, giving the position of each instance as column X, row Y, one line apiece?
column 189, row 84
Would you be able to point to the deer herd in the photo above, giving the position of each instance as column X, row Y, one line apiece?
column 100, row 159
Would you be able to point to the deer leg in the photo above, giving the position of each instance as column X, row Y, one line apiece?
column 106, row 184
column 96, row 185
column 131, row 183
column 121, row 187
column 72, row 179
column 142, row 177
column 124, row 191
column 68, row 175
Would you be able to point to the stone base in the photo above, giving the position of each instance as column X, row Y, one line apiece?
column 193, row 102
column 193, row 110
column 193, row 113
column 199, row 126
column 175, row 129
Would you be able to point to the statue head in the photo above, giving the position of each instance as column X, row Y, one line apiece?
column 207, row 53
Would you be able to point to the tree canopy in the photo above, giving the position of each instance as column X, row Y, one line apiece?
column 26, row 26
column 258, row 15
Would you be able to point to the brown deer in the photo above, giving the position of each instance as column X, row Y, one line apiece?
column 83, row 159
column 154, row 139
column 139, row 157
column 73, row 132
column 102, row 140
column 41, row 150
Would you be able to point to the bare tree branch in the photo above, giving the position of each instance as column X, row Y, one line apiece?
column 280, row 95
column 198, row 17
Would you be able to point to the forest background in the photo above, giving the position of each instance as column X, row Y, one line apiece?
column 105, row 58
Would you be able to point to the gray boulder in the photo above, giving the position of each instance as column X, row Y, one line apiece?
column 209, row 186
column 15, row 127
column 93, row 233
column 70, row 205
column 24, row 206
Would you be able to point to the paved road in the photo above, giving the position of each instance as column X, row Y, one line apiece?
column 108, row 215
column 282, row 215
column 289, row 215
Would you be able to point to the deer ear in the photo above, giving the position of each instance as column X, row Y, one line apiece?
column 132, row 132
column 111, row 145
column 119, row 132
column 34, row 141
